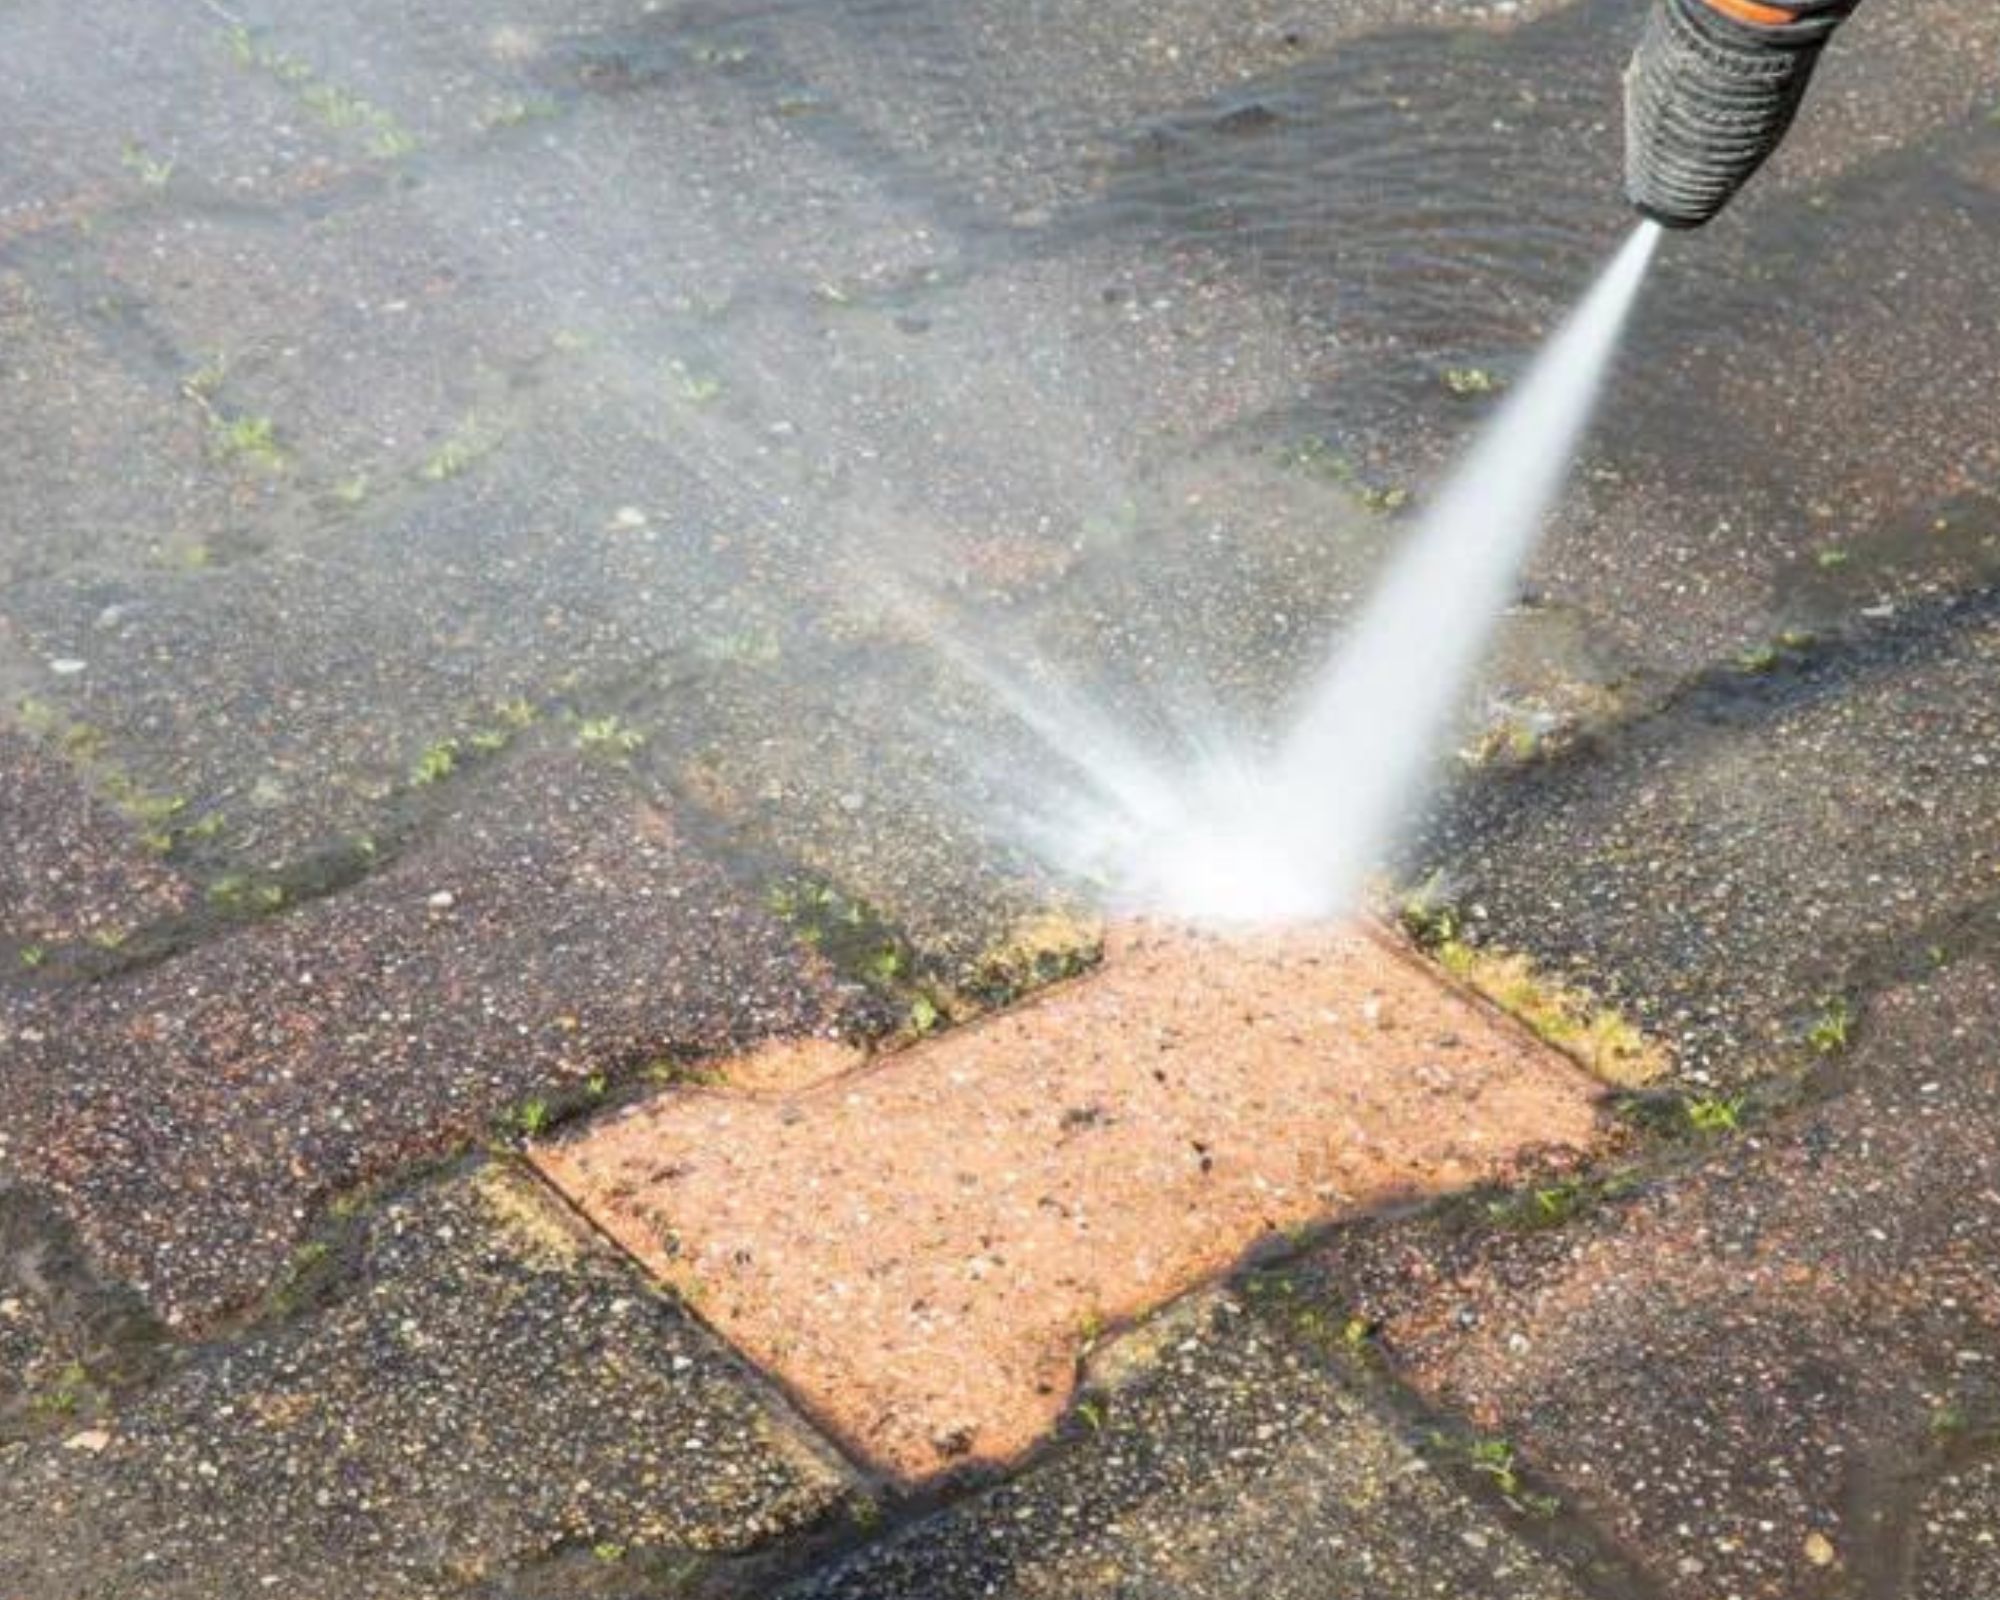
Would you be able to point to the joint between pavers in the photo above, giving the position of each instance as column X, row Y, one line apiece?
column 783, row 1406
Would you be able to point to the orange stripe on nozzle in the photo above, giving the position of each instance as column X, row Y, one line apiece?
column 1750, row 11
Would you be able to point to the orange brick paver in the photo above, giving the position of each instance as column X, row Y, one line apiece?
column 916, row 1247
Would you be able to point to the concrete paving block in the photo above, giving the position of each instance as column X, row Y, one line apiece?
column 112, row 468
column 1222, row 1459
column 113, row 112
column 1786, row 834
column 552, row 933
column 476, row 1386
column 1747, row 1368
column 71, row 868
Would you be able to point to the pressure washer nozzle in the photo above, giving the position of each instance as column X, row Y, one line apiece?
column 1710, row 92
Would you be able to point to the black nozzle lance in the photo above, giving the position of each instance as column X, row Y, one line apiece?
column 1710, row 92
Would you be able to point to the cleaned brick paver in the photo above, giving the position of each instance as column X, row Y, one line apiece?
column 918, row 1248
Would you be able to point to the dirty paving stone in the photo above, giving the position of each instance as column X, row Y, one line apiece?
column 108, row 464
column 480, row 1385
column 1746, row 1369
column 155, row 106
column 71, row 1344
column 69, row 866
column 1215, row 1456
column 548, row 929
column 294, row 696
column 1957, row 1535
column 1756, row 856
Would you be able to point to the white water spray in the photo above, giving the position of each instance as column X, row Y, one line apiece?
column 1257, row 837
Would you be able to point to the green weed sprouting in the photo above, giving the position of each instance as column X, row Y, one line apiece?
column 1828, row 1033
column 1714, row 1114
column 607, row 736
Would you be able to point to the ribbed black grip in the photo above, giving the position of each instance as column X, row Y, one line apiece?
column 1708, row 97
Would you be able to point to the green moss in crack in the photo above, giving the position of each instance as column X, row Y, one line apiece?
column 249, row 440
column 438, row 762
column 1827, row 1033
column 1711, row 1114
column 607, row 738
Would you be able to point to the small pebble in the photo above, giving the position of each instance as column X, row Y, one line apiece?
column 1819, row 1549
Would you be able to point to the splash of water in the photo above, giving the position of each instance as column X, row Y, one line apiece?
column 1240, row 835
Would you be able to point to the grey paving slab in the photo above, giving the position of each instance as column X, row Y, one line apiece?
column 354, row 329
column 597, row 523
column 429, row 312
column 479, row 1388
column 108, row 462
column 1220, row 1458
column 147, row 105
column 71, row 868
column 1957, row 1539
column 1781, row 839
column 478, row 378
column 1750, row 1366
column 549, row 935
column 450, row 77
column 295, row 699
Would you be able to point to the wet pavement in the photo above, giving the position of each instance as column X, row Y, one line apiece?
column 463, row 1384
column 544, row 945
column 1223, row 1452
column 483, row 493
column 1813, row 1301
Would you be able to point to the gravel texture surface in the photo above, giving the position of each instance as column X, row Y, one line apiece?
column 1748, row 1366
column 470, row 1385
column 70, row 867
column 553, row 935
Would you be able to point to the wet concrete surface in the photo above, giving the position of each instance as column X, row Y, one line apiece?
column 554, row 937
column 1959, row 1541
column 71, row 868
column 1750, row 1365
column 469, row 1387
column 1789, row 834
column 396, row 403
column 1218, row 1454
